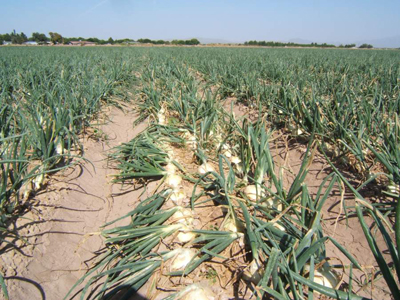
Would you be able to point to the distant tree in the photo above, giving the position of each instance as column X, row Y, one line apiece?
column 193, row 42
column 366, row 46
column 110, row 40
column 56, row 38
column 350, row 45
column 24, row 38
column 93, row 40
column 18, row 38
column 7, row 37
column 186, row 42
column 144, row 41
column 39, row 37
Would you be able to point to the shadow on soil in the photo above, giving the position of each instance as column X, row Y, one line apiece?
column 31, row 282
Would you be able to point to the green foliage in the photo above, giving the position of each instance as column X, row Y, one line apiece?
column 280, row 44
column 56, row 38
column 366, row 46
column 40, row 38
column 39, row 128
column 154, row 42
column 186, row 42
column 14, row 38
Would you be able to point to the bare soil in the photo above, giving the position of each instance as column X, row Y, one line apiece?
column 61, row 231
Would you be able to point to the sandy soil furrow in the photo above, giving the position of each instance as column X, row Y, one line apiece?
column 65, row 220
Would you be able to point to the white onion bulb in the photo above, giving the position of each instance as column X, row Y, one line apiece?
column 235, row 160
column 324, row 276
column 182, row 259
column 161, row 119
column 393, row 187
column 279, row 226
column 191, row 142
column 183, row 216
column 173, row 181
column 185, row 235
column 272, row 203
column 177, row 196
column 254, row 272
column 254, row 193
column 196, row 292
column 170, row 168
column 230, row 226
column 37, row 181
column 204, row 168
column 299, row 131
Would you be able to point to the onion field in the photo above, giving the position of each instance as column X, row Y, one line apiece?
column 222, row 221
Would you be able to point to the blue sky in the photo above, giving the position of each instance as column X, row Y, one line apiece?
column 232, row 20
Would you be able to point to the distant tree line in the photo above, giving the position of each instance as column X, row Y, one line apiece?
column 366, row 46
column 13, row 37
column 186, row 42
column 55, row 38
column 98, row 41
column 348, row 46
column 174, row 42
column 316, row 45
column 154, row 42
column 281, row 44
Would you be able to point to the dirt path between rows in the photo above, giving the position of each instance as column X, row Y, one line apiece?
column 59, row 227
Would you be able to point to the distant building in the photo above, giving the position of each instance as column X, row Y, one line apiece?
column 31, row 43
column 75, row 43
column 7, row 43
column 81, row 43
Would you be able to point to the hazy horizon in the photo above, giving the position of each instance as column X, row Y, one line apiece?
column 234, row 21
